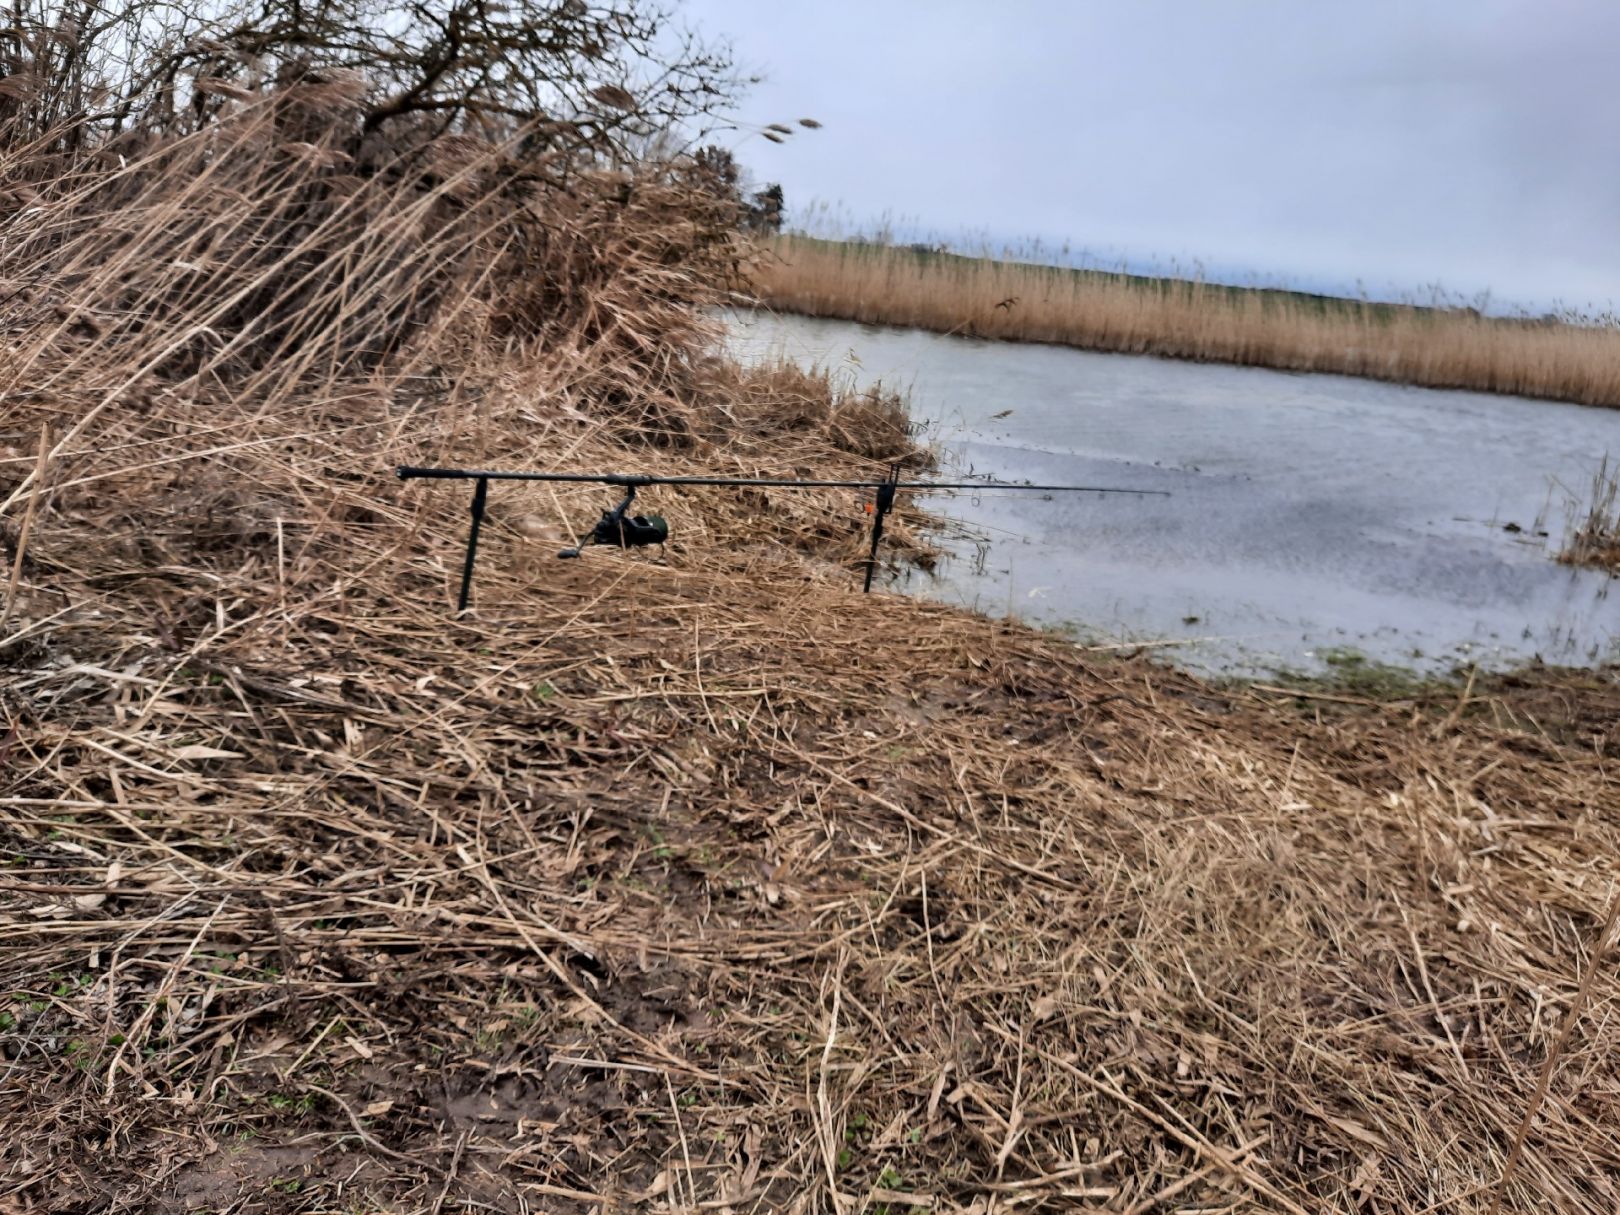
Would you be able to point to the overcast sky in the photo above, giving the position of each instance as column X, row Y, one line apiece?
column 1398, row 143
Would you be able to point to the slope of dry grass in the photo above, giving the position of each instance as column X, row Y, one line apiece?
column 1180, row 319
column 691, row 881
column 644, row 887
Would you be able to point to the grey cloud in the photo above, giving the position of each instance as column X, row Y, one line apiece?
column 1466, row 142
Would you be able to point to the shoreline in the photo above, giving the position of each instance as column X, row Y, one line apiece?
column 1189, row 320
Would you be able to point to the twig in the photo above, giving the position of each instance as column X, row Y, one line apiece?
column 27, row 523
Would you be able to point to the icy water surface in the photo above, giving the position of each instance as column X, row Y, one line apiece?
column 1310, row 516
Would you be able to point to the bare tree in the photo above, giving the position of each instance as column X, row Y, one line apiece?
column 598, row 77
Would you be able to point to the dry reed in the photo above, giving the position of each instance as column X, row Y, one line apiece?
column 694, row 881
column 1594, row 534
column 980, row 297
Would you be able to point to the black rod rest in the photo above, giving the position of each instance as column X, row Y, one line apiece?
column 616, row 528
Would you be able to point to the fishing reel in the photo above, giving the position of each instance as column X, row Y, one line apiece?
column 616, row 528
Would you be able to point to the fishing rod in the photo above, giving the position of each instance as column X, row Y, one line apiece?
column 618, row 528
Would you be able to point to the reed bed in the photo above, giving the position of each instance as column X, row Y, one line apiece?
column 1594, row 534
column 1184, row 319
column 692, row 881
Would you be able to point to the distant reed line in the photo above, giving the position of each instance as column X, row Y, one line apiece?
column 1185, row 319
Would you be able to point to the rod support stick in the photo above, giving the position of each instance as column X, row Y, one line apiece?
column 480, row 496
column 880, row 507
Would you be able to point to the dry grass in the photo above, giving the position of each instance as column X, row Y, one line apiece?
column 694, row 881
column 880, row 284
column 1594, row 537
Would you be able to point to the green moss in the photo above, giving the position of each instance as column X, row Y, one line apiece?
column 1349, row 672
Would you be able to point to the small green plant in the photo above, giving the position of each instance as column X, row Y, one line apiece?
column 661, row 850
column 889, row 1179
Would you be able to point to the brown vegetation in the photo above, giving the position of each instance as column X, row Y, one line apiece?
column 980, row 297
column 1594, row 537
column 692, row 881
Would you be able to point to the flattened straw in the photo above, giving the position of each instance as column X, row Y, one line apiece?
column 1544, row 1081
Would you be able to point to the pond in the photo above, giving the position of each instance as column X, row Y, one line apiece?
column 1313, row 519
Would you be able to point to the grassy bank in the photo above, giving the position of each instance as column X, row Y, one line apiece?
column 646, row 882
column 689, row 880
column 1294, row 331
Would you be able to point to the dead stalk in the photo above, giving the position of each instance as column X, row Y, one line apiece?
column 35, row 489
